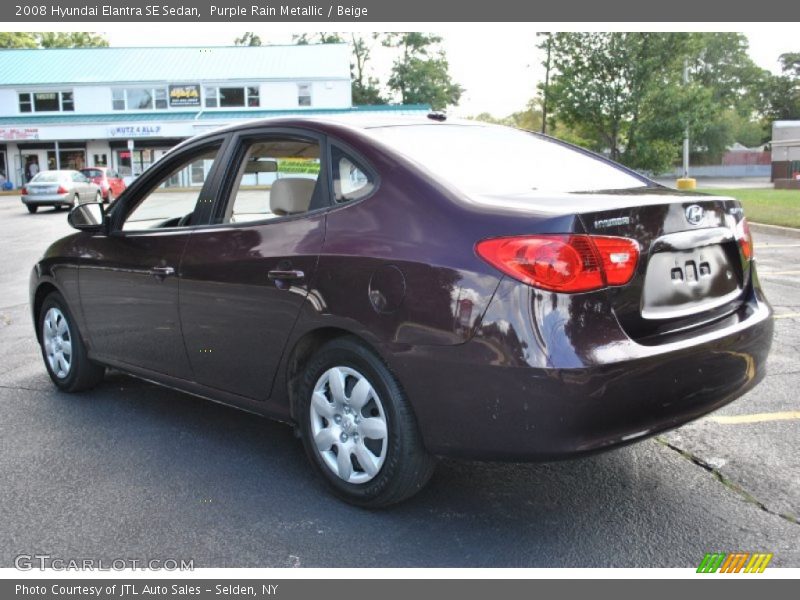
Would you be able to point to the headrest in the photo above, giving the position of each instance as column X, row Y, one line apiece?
column 291, row 195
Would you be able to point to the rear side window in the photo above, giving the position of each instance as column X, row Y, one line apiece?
column 351, row 181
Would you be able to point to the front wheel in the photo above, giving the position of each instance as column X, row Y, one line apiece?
column 63, row 349
column 358, row 428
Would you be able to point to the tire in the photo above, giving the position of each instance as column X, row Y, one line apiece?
column 76, row 199
column 57, row 208
column 98, row 197
column 32, row 208
column 399, row 464
column 75, row 372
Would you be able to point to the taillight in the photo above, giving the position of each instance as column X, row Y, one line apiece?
column 61, row 190
column 24, row 191
column 563, row 262
column 745, row 239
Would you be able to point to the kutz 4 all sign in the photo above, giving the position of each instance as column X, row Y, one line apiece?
column 736, row 562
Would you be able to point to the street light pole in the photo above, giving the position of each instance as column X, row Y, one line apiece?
column 686, row 182
column 686, row 133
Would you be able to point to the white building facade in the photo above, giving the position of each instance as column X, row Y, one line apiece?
column 123, row 108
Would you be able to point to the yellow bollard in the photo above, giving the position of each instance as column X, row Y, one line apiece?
column 686, row 183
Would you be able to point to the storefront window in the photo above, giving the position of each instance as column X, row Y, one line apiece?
column 232, row 97
column 139, row 99
column 46, row 102
column 253, row 99
column 70, row 159
column 303, row 94
column 133, row 164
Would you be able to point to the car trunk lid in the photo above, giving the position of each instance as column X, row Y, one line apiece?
column 690, row 270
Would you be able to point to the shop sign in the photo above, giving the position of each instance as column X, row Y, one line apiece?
column 184, row 95
column 135, row 131
column 22, row 133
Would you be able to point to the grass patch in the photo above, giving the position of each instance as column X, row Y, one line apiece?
column 765, row 205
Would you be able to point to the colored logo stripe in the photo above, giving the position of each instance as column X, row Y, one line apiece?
column 734, row 562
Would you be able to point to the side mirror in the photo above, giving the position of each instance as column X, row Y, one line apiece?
column 88, row 216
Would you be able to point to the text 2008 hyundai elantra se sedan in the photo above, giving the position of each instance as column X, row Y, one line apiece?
column 407, row 289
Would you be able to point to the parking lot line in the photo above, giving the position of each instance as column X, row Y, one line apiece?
column 787, row 315
column 770, row 245
column 756, row 418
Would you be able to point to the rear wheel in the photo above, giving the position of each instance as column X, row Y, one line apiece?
column 358, row 428
column 32, row 208
column 76, row 199
column 63, row 349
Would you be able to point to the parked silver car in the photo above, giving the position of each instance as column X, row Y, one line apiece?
column 59, row 188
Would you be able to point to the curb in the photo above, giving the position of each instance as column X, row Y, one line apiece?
column 791, row 232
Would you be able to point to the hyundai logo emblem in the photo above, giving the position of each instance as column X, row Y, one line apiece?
column 694, row 214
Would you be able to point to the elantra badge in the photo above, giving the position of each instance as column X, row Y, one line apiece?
column 694, row 214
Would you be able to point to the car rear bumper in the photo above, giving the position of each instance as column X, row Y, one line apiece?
column 509, row 394
column 48, row 199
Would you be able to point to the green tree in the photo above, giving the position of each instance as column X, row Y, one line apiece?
column 21, row 39
column 320, row 37
column 623, row 92
column 420, row 74
column 366, row 88
column 52, row 39
column 780, row 98
column 248, row 38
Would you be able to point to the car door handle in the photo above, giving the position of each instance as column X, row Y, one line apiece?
column 285, row 275
column 161, row 272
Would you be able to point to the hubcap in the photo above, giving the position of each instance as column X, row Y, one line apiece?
column 57, row 341
column 348, row 425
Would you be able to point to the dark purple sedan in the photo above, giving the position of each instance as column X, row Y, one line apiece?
column 408, row 289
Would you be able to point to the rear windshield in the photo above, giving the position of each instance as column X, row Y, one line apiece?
column 48, row 177
column 502, row 160
column 92, row 172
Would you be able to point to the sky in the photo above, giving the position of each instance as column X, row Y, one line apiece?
column 497, row 63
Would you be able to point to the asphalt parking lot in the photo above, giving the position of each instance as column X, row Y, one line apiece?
column 131, row 470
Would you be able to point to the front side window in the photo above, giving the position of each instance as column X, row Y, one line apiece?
column 278, row 177
column 351, row 181
column 171, row 201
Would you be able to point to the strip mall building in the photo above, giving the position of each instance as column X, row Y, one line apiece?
column 123, row 108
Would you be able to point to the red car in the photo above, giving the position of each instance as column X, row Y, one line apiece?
column 111, row 184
